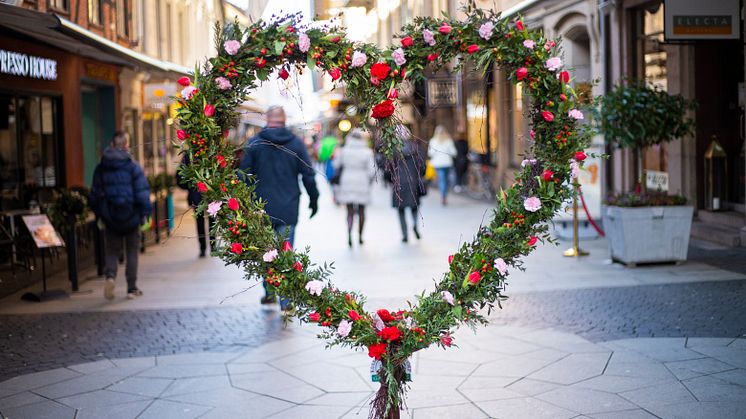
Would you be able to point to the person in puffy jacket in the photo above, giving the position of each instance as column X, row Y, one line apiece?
column 120, row 197
column 356, row 167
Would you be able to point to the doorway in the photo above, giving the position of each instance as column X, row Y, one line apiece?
column 98, row 122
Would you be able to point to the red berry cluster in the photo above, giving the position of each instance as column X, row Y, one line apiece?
column 564, row 135
column 486, row 267
column 328, row 315
column 229, row 70
column 199, row 145
column 419, row 331
column 274, row 278
column 518, row 220
column 237, row 227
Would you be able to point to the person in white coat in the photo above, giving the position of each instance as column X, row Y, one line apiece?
column 355, row 164
column 441, row 152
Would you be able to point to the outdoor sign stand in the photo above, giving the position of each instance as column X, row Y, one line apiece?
column 44, row 236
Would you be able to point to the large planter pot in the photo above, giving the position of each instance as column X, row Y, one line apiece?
column 648, row 234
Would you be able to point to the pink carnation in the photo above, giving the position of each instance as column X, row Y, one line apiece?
column 223, row 83
column 358, row 59
column 576, row 114
column 527, row 162
column 398, row 56
column 485, row 31
column 532, row 204
column 315, row 287
column 232, row 46
column 501, row 266
column 213, row 208
column 554, row 63
column 447, row 297
column 344, row 328
column 188, row 92
column 270, row 255
column 304, row 42
column 574, row 169
column 529, row 43
column 428, row 37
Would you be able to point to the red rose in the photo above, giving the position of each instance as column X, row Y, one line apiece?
column 209, row 110
column 376, row 350
column 445, row 28
column 184, row 81
column 201, row 187
column 548, row 175
column 237, row 248
column 450, row 259
column 353, row 315
column 314, row 317
column 383, row 109
column 391, row 333
column 407, row 42
column 380, row 70
column 261, row 62
column 221, row 161
column 580, row 156
column 564, row 77
column 432, row 57
column 474, row 277
column 298, row 266
column 393, row 93
column 233, row 204
column 532, row 240
column 385, row 315
column 548, row 116
column 446, row 340
column 181, row 134
column 521, row 73
column 335, row 73
column 283, row 74
column 472, row 48
column 287, row 246
column 519, row 25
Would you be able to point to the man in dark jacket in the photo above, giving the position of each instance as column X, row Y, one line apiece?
column 120, row 197
column 275, row 158
column 194, row 198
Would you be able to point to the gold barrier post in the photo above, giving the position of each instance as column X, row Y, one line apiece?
column 575, row 250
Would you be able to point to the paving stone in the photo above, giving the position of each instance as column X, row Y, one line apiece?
column 328, row 377
column 259, row 407
column 197, row 358
column 700, row 410
column 36, row 380
column 90, row 367
column 458, row 369
column 647, row 370
column 512, row 366
column 659, row 394
column 234, row 369
column 697, row 367
column 224, row 397
column 573, row 368
column 526, row 408
column 140, row 362
column 311, row 412
column 737, row 376
column 197, row 385
column 42, row 410
column 185, row 371
column 119, row 411
column 20, row 399
column 164, row 409
column 347, row 399
column 99, row 398
column 529, row 387
column 624, row 414
column 449, row 412
column 489, row 393
column 710, row 389
column 659, row 349
column 83, row 384
column 619, row 384
column 142, row 386
column 434, row 398
column 585, row 401
column 731, row 355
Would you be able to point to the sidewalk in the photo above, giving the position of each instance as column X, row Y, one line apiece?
column 503, row 371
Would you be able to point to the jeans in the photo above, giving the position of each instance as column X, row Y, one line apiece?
column 281, row 231
column 443, row 175
column 114, row 243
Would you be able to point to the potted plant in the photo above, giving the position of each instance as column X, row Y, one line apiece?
column 644, row 226
column 68, row 211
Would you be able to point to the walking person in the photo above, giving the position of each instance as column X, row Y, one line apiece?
column 441, row 152
column 275, row 158
column 194, row 198
column 120, row 197
column 408, row 186
column 354, row 170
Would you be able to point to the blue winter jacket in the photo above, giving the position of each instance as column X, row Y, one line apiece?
column 120, row 194
column 275, row 158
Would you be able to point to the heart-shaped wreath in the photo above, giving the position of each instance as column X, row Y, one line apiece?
column 477, row 273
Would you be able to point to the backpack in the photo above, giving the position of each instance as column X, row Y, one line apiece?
column 121, row 218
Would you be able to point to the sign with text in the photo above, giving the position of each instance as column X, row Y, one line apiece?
column 24, row 65
column 442, row 92
column 656, row 181
column 687, row 20
column 42, row 231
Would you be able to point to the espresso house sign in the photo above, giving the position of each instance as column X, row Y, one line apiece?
column 687, row 20
column 24, row 65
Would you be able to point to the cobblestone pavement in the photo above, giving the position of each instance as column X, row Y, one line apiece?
column 30, row 343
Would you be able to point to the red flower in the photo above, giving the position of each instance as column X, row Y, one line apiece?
column 353, row 315
column 184, row 81
column 233, row 204
column 521, row 73
column 376, row 350
column 519, row 25
column 393, row 93
column 474, row 277
column 580, row 156
column 407, row 42
column 375, row 81
column 432, row 57
column 336, row 39
column 314, row 317
column 446, row 340
column 209, row 110
column 283, row 74
column 472, row 48
column 201, row 187
column 237, row 248
column 450, row 259
column 445, row 28
column 380, row 70
column 385, row 315
column 564, row 76
column 298, row 266
column 221, row 161
column 261, row 62
column 287, row 246
column 563, row 97
column 548, row 116
column 181, row 134
column 391, row 333
column 335, row 73
column 532, row 240
column 548, row 175
column 383, row 109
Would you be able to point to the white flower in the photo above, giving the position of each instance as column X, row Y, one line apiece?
column 554, row 63
column 304, row 42
column 188, row 92
column 380, row 325
column 574, row 113
column 447, row 296
column 213, row 208
column 529, row 43
column 398, row 56
column 532, row 204
column 358, row 59
column 270, row 255
column 428, row 37
column 344, row 328
column 232, row 46
column 315, row 287
column 527, row 162
column 501, row 266
column 574, row 169
column 485, row 31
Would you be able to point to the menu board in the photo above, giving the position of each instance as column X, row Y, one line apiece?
column 42, row 231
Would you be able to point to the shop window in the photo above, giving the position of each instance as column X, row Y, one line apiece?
column 94, row 12
column 59, row 5
column 477, row 129
column 123, row 23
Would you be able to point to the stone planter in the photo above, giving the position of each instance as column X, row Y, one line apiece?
column 648, row 234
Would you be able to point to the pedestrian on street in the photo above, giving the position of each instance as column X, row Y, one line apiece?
column 441, row 152
column 194, row 198
column 354, row 171
column 407, row 184
column 120, row 197
column 461, row 163
column 275, row 158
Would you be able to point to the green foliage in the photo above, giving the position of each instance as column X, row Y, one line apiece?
column 68, row 205
column 650, row 199
column 635, row 115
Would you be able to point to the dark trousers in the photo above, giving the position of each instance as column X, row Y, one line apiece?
column 114, row 243
column 202, row 235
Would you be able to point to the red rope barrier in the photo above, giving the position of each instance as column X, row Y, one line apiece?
column 588, row 214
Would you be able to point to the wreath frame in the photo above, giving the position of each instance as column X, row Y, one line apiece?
column 478, row 271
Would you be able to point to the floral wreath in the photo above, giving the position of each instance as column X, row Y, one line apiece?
column 478, row 271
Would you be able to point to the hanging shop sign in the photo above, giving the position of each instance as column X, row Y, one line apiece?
column 687, row 20
column 24, row 65
column 158, row 95
column 442, row 92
